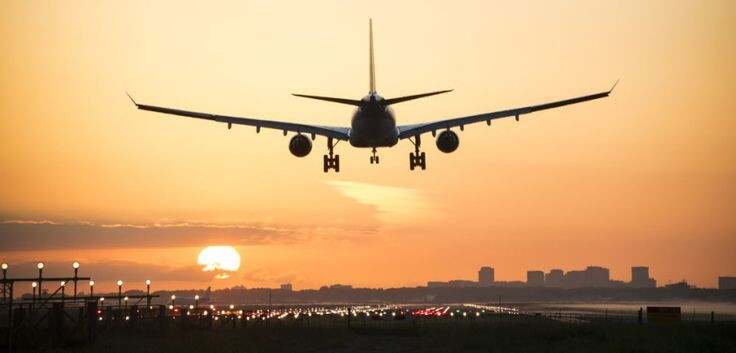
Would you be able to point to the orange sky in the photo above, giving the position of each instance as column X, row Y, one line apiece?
column 645, row 177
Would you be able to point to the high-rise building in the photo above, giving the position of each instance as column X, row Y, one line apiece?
column 486, row 276
column 597, row 276
column 535, row 278
column 725, row 282
column 640, row 278
column 554, row 278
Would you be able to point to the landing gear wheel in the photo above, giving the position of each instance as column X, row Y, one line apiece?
column 374, row 157
column 417, row 159
column 331, row 161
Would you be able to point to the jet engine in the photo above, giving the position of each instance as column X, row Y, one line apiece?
column 447, row 141
column 300, row 145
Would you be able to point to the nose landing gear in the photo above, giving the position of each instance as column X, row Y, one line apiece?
column 331, row 161
column 374, row 157
column 417, row 159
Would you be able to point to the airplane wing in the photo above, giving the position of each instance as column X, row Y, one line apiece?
column 339, row 133
column 407, row 131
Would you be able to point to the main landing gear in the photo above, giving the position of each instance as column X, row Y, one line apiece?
column 417, row 159
column 331, row 161
column 374, row 158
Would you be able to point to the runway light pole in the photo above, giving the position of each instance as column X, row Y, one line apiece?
column 63, row 285
column 40, row 277
column 34, row 285
column 91, row 288
column 120, row 292
column 196, row 301
column 148, row 293
column 5, row 275
column 75, row 266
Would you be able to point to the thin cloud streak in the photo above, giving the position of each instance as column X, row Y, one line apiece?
column 18, row 235
column 110, row 271
column 393, row 204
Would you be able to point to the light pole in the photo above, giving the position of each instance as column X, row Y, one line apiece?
column 63, row 285
column 40, row 277
column 102, row 301
column 120, row 292
column 33, row 298
column 173, row 299
column 148, row 293
column 75, row 266
column 91, row 289
column 5, row 275
column 126, row 302
column 196, row 301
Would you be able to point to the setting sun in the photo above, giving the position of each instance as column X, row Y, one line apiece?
column 221, row 259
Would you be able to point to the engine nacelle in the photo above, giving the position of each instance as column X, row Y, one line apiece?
column 300, row 145
column 447, row 141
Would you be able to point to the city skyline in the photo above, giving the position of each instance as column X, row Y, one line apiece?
column 644, row 176
column 590, row 277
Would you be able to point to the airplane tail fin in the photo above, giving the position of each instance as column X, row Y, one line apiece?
column 371, row 60
column 415, row 96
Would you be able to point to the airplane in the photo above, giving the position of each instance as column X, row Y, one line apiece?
column 373, row 124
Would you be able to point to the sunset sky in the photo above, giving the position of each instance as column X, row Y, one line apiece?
column 645, row 177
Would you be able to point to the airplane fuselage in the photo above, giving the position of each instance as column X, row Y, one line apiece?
column 373, row 124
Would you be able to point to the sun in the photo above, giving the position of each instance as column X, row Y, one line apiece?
column 219, row 259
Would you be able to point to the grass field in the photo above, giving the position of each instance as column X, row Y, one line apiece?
column 518, row 335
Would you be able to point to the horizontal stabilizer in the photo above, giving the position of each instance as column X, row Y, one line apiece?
column 416, row 96
column 331, row 99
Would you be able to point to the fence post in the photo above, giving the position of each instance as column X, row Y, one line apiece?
column 91, row 321
column 56, row 324
column 133, row 316
column 640, row 316
column 162, row 318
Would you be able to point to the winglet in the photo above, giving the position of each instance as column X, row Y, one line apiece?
column 614, row 86
column 131, row 99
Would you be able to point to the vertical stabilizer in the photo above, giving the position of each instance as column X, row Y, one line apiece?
column 372, row 64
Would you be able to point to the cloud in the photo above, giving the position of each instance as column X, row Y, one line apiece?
column 17, row 235
column 114, row 270
column 394, row 204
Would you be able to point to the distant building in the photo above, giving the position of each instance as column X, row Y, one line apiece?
column 535, row 278
column 640, row 278
column 462, row 283
column 726, row 282
column 575, row 279
column 341, row 286
column 598, row 276
column 437, row 284
column 592, row 276
column 554, row 278
column 486, row 276
column 679, row 285
column 287, row 287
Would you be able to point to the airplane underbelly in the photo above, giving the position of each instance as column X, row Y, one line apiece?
column 373, row 132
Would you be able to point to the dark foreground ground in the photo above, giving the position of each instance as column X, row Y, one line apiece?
column 513, row 336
